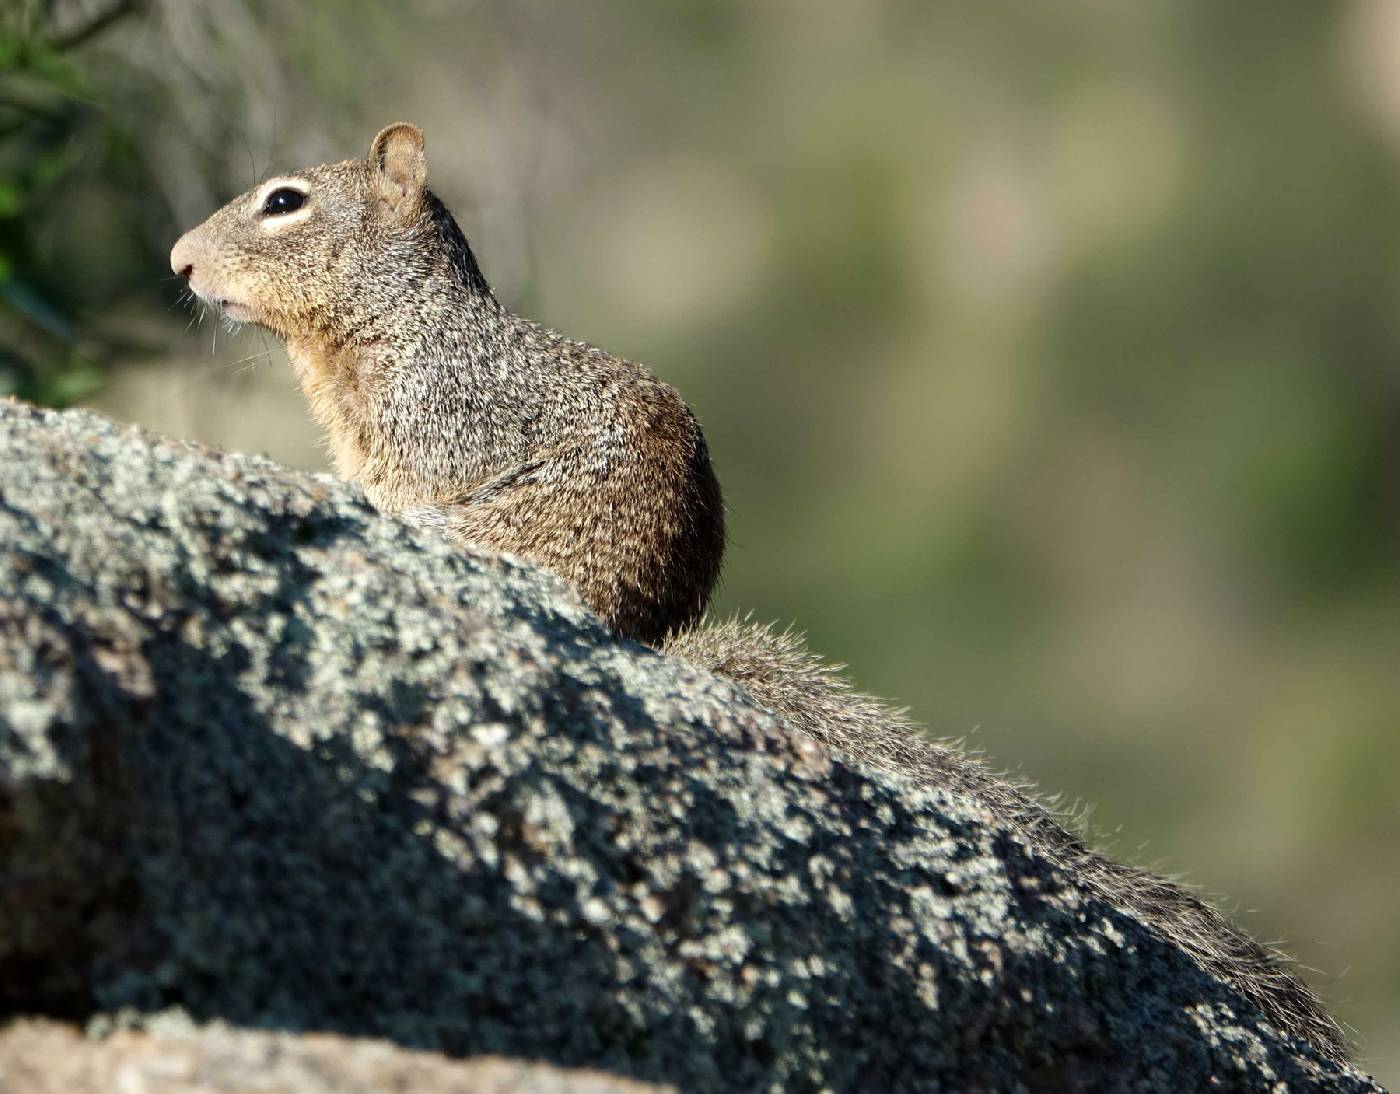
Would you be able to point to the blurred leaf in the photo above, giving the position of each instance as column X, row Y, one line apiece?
column 65, row 386
column 48, row 115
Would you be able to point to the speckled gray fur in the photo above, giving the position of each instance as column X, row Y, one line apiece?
column 277, row 760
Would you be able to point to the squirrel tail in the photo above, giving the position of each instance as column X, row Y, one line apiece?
column 781, row 675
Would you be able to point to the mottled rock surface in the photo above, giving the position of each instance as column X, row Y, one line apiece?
column 277, row 761
column 48, row 1058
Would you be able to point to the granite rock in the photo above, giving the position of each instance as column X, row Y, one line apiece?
column 277, row 761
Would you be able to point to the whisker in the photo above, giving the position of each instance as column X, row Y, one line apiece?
column 250, row 362
column 203, row 373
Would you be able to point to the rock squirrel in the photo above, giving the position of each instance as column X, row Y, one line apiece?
column 452, row 411
column 457, row 414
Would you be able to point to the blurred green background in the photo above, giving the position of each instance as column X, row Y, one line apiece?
column 1049, row 352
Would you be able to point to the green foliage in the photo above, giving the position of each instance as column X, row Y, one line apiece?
column 50, row 121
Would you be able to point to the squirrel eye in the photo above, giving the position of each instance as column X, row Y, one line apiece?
column 285, row 200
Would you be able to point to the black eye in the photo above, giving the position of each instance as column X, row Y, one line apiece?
column 285, row 200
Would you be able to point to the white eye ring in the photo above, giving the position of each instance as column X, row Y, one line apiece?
column 295, row 205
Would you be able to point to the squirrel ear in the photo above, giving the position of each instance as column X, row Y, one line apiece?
column 398, row 165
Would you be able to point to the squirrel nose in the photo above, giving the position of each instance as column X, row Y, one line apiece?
column 180, row 257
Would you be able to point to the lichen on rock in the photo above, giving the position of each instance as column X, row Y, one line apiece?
column 281, row 762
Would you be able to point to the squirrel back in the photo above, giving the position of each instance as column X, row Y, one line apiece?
column 457, row 414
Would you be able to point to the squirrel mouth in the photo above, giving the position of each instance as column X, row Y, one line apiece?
column 223, row 306
column 232, row 309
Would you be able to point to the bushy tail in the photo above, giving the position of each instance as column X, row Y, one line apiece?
column 783, row 676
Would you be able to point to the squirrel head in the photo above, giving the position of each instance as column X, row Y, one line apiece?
column 319, row 252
